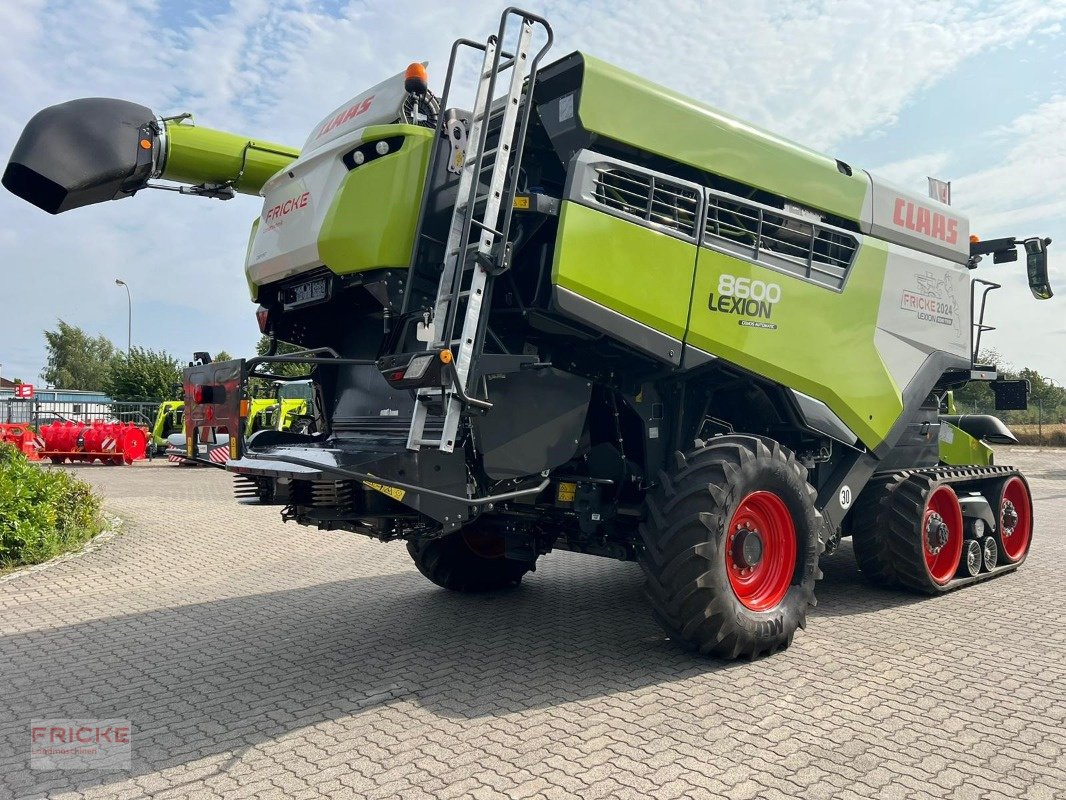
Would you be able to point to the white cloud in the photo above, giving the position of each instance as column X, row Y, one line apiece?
column 819, row 72
column 912, row 172
column 1026, row 185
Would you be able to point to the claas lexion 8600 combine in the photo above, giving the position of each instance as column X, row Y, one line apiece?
column 587, row 313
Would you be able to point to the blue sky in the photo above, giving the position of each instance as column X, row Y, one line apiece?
column 970, row 91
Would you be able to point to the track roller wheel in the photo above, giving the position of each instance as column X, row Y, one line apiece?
column 470, row 560
column 1014, row 518
column 730, row 547
column 990, row 553
column 972, row 559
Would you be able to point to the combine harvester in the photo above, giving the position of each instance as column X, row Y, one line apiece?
column 587, row 313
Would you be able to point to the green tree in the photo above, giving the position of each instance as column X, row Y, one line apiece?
column 143, row 375
column 75, row 359
column 1047, row 400
column 263, row 347
column 223, row 356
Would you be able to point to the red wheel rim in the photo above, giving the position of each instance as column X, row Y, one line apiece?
column 942, row 550
column 485, row 544
column 763, row 523
column 1015, row 507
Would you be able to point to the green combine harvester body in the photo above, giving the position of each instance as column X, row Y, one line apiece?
column 170, row 419
column 588, row 313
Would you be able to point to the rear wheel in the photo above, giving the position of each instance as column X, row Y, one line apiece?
column 473, row 559
column 730, row 548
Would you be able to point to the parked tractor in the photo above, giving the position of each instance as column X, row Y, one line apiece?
column 583, row 312
column 170, row 419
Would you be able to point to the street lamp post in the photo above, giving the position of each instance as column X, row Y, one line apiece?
column 129, row 315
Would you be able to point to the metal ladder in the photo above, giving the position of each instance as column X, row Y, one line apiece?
column 477, row 242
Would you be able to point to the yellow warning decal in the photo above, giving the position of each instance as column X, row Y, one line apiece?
column 565, row 492
column 522, row 203
column 390, row 491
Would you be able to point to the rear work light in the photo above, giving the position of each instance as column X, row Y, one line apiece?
column 418, row 366
column 412, row 371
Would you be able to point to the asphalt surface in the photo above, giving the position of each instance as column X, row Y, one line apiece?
column 256, row 659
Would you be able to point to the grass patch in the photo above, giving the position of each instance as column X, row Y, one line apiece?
column 1054, row 434
column 43, row 513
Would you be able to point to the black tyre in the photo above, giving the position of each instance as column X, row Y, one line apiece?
column 730, row 547
column 872, row 556
column 470, row 560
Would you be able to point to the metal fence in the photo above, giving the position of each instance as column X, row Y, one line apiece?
column 42, row 412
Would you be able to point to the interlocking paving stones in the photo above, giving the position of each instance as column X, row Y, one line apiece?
column 261, row 660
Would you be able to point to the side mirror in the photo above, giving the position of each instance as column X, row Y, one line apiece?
column 1036, row 267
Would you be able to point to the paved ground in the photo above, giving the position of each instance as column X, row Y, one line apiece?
column 257, row 659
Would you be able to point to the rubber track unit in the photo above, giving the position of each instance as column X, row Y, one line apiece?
column 684, row 534
column 887, row 544
column 450, row 563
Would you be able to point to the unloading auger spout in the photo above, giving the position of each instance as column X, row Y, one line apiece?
column 96, row 149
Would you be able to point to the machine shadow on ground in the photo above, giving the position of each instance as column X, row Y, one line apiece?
column 227, row 675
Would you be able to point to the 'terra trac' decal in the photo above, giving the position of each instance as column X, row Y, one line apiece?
column 746, row 297
column 915, row 217
column 349, row 113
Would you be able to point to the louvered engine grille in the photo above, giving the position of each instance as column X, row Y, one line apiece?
column 648, row 198
column 786, row 242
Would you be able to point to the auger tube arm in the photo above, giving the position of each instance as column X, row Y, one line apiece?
column 95, row 149
column 196, row 155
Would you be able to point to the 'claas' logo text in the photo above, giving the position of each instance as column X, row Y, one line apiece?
column 920, row 219
column 344, row 116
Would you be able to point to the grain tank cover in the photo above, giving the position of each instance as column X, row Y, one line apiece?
column 380, row 105
column 297, row 204
column 81, row 152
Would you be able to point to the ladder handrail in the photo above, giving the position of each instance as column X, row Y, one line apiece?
column 517, row 153
column 434, row 158
column 481, row 128
column 491, row 243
